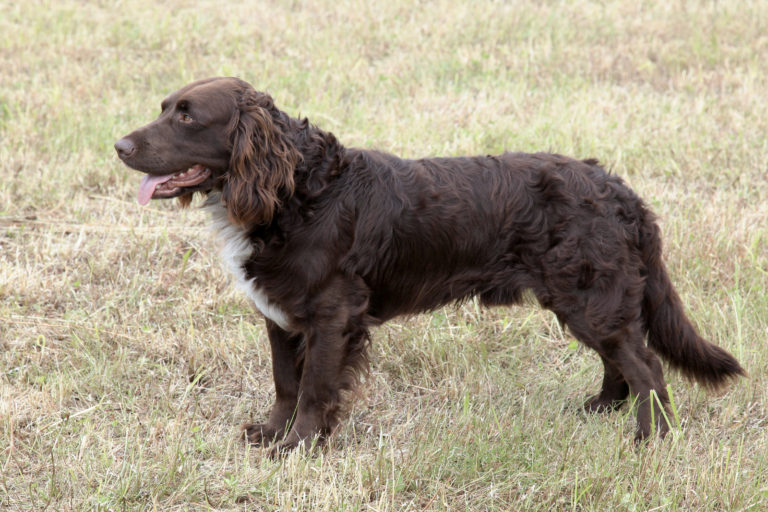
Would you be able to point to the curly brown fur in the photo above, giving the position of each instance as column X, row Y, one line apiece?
column 328, row 241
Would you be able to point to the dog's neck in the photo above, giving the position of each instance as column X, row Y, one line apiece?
column 322, row 157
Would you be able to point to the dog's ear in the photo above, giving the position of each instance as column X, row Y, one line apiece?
column 262, row 163
column 185, row 200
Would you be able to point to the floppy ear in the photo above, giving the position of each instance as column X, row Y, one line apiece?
column 262, row 163
column 185, row 200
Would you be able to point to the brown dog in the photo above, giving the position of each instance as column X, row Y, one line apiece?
column 328, row 241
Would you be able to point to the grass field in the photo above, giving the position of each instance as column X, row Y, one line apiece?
column 127, row 361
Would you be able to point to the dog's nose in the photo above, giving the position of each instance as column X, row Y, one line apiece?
column 124, row 148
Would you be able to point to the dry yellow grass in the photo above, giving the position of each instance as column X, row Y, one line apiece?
column 127, row 362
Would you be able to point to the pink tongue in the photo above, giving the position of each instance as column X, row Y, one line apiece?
column 148, row 185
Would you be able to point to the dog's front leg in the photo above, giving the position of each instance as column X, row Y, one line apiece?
column 319, row 390
column 287, row 359
column 335, row 343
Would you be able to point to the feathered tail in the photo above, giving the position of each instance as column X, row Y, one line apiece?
column 670, row 332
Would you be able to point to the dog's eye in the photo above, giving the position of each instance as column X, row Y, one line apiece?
column 185, row 118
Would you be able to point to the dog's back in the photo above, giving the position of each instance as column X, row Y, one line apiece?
column 431, row 231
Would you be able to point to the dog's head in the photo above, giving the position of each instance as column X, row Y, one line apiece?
column 216, row 134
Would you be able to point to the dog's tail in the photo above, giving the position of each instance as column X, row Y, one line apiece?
column 670, row 332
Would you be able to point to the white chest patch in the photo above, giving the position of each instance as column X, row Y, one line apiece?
column 235, row 250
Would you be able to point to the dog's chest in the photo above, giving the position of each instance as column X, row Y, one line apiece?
column 235, row 250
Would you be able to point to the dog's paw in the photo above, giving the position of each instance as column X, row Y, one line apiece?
column 600, row 404
column 259, row 434
column 282, row 449
column 293, row 442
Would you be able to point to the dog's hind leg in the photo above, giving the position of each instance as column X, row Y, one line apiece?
column 286, row 371
column 642, row 371
column 593, row 283
column 630, row 363
column 613, row 392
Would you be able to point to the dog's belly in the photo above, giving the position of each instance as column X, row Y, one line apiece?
column 235, row 250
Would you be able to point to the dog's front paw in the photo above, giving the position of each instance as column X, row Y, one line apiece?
column 293, row 442
column 281, row 449
column 260, row 434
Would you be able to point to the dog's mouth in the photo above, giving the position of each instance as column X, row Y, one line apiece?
column 172, row 185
